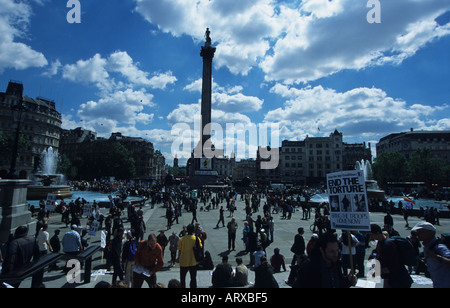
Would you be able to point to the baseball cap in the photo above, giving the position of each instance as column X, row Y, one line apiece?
column 424, row 225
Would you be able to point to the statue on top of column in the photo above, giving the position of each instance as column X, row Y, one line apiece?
column 208, row 38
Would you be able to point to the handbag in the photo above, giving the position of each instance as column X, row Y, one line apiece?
column 198, row 251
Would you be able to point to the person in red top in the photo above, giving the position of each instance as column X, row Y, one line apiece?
column 148, row 261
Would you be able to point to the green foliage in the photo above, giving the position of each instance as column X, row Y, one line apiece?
column 111, row 160
column 7, row 144
column 422, row 167
column 389, row 167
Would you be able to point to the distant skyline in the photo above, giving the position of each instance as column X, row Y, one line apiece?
column 311, row 66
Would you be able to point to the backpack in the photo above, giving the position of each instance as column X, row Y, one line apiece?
column 132, row 250
column 407, row 254
column 198, row 251
column 445, row 240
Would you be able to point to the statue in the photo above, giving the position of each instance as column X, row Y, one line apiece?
column 208, row 38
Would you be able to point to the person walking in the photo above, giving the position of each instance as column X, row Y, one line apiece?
column 221, row 218
column 232, row 227
column 170, row 212
column 43, row 240
column 194, row 213
column 116, row 251
column 173, row 246
column 186, row 257
column 298, row 248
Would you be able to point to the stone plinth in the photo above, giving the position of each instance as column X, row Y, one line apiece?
column 41, row 192
column 13, row 208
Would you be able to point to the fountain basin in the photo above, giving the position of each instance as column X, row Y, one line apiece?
column 37, row 192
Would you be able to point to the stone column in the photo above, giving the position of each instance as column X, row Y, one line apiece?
column 13, row 208
column 207, row 54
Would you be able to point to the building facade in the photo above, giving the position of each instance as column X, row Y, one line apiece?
column 407, row 143
column 40, row 125
column 307, row 162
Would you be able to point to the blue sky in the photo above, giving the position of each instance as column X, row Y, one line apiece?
column 134, row 66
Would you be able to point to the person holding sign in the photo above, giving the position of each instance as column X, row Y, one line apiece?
column 323, row 269
column 349, row 243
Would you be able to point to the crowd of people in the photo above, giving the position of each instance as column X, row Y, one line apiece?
column 327, row 260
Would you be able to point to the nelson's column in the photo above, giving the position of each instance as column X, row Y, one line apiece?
column 200, row 165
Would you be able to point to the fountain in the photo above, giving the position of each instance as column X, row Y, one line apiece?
column 50, row 181
column 373, row 191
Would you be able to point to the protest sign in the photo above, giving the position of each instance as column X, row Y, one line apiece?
column 87, row 209
column 50, row 202
column 94, row 228
column 348, row 201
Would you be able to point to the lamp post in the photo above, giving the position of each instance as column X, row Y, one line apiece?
column 17, row 111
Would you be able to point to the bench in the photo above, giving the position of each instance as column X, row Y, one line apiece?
column 30, row 269
column 86, row 257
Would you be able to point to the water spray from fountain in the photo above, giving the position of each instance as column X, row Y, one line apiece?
column 366, row 167
column 50, row 181
column 373, row 191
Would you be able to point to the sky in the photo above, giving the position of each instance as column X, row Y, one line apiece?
column 305, row 67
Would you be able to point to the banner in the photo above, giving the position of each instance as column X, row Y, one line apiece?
column 348, row 201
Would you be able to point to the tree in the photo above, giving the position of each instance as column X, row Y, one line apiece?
column 110, row 160
column 423, row 167
column 390, row 167
column 7, row 144
column 120, row 162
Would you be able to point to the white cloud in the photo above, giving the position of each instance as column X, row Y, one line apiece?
column 53, row 69
column 298, row 42
column 236, row 102
column 89, row 71
column 123, row 97
column 101, row 71
column 240, row 29
column 184, row 114
column 360, row 112
column 327, row 37
column 121, row 106
column 14, row 21
column 228, row 99
column 161, row 80
column 121, row 62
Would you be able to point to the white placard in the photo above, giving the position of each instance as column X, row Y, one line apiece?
column 50, row 202
column 348, row 201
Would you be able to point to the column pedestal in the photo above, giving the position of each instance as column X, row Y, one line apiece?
column 13, row 208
